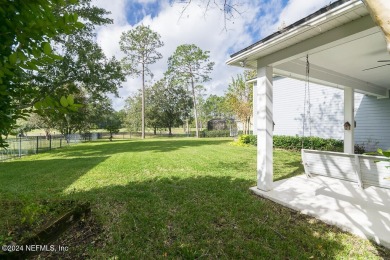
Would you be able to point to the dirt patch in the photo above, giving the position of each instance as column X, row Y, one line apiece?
column 49, row 230
column 76, row 242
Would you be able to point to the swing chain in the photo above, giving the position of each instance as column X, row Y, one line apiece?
column 308, row 103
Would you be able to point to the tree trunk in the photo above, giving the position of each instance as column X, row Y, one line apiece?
column 170, row 130
column 143, row 103
column 187, row 127
column 249, row 124
column 155, row 130
column 195, row 109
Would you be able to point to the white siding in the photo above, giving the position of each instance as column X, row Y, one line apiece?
column 373, row 123
column 326, row 110
column 372, row 115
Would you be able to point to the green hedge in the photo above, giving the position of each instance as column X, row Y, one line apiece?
column 295, row 142
column 315, row 143
column 215, row 133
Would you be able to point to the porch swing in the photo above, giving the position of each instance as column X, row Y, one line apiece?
column 361, row 169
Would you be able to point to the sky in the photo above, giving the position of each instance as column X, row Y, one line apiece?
column 254, row 20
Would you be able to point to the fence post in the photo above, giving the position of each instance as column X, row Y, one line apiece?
column 20, row 145
column 37, row 145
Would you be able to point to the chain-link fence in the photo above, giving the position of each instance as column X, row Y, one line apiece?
column 27, row 145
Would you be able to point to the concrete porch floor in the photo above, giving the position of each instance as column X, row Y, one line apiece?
column 365, row 213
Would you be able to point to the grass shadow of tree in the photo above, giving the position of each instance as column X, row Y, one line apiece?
column 155, row 145
column 209, row 217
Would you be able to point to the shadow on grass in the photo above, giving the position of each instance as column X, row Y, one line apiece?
column 212, row 217
column 100, row 148
column 43, row 178
column 57, row 170
column 196, row 217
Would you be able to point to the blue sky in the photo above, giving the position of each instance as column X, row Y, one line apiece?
column 256, row 20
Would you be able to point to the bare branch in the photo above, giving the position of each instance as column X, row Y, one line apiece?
column 229, row 8
column 184, row 9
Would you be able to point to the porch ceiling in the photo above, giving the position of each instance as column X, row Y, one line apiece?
column 342, row 43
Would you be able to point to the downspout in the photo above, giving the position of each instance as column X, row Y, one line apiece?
column 380, row 13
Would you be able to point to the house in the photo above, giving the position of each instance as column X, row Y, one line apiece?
column 343, row 46
column 326, row 113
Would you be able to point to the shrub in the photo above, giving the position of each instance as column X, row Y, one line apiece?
column 295, row 143
column 315, row 143
column 244, row 139
column 360, row 149
column 215, row 133
column 253, row 139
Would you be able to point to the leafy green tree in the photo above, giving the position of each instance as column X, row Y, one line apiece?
column 239, row 99
column 153, row 111
column 122, row 116
column 140, row 45
column 172, row 103
column 133, row 109
column 30, row 65
column 38, row 122
column 26, row 30
column 215, row 107
column 190, row 64
column 83, row 67
column 84, row 72
column 111, row 122
column 68, row 117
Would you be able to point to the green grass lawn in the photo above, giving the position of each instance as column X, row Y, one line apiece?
column 174, row 198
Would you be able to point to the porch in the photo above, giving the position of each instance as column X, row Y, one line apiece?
column 363, row 212
column 338, row 46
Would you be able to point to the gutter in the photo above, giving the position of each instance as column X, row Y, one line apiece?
column 292, row 29
column 291, row 26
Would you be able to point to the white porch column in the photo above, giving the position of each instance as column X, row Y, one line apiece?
column 349, row 135
column 264, row 128
column 254, row 117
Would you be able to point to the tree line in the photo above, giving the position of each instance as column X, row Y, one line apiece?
column 171, row 106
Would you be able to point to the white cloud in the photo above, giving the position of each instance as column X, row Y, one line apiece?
column 298, row 9
column 117, row 9
column 206, row 31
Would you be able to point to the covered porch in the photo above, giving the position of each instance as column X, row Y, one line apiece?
column 338, row 46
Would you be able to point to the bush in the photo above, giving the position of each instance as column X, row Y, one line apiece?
column 295, row 142
column 244, row 139
column 253, row 140
column 215, row 133
column 315, row 143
